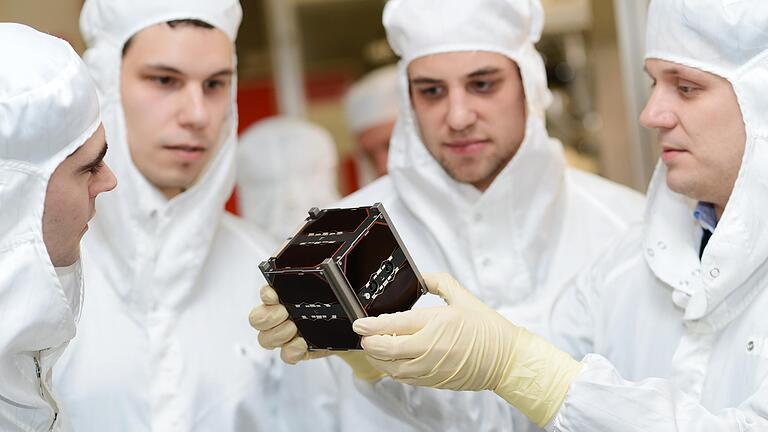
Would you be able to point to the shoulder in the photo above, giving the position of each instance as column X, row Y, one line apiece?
column 595, row 194
column 584, row 304
column 625, row 250
column 382, row 190
column 238, row 234
column 601, row 188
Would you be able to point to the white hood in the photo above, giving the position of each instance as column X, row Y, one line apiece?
column 285, row 166
column 525, row 201
column 48, row 109
column 185, row 225
column 730, row 39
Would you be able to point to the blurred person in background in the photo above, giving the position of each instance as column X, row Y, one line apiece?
column 285, row 166
column 371, row 109
column 476, row 186
column 51, row 171
column 164, row 343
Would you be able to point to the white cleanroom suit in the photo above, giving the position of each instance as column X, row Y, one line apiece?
column 285, row 166
column 681, row 343
column 48, row 109
column 165, row 343
column 670, row 328
column 514, row 245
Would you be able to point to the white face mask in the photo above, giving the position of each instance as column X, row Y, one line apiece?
column 71, row 279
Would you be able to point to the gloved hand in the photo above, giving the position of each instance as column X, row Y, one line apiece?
column 468, row 346
column 276, row 330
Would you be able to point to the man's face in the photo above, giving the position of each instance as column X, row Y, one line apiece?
column 175, row 86
column 470, row 107
column 71, row 198
column 374, row 143
column 701, row 130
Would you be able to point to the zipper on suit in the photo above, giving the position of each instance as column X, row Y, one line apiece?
column 43, row 392
column 53, row 423
column 38, row 371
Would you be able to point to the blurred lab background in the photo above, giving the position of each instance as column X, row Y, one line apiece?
column 302, row 58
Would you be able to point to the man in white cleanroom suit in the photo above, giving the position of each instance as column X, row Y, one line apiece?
column 285, row 166
column 51, row 170
column 476, row 187
column 670, row 325
column 371, row 108
column 165, row 343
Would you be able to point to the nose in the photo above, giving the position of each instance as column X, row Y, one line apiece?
column 658, row 112
column 461, row 115
column 193, row 112
column 105, row 181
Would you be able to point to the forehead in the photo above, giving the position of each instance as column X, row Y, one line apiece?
column 89, row 150
column 664, row 68
column 185, row 47
column 458, row 64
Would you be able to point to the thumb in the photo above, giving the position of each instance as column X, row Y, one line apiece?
column 445, row 286
column 400, row 323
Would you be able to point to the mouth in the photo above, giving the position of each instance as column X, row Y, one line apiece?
column 668, row 154
column 186, row 152
column 466, row 146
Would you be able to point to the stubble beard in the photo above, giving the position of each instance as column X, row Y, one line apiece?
column 480, row 177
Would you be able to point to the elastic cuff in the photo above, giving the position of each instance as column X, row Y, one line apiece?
column 360, row 365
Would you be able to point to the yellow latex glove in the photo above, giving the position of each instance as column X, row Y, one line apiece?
column 276, row 330
column 468, row 346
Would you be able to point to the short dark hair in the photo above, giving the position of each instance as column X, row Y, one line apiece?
column 173, row 24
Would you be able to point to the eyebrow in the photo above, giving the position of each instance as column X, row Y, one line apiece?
column 490, row 70
column 691, row 74
column 173, row 70
column 424, row 80
column 96, row 161
column 671, row 71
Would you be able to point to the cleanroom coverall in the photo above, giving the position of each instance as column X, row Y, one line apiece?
column 165, row 343
column 513, row 245
column 48, row 109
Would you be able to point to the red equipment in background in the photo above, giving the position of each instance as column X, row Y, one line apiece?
column 256, row 99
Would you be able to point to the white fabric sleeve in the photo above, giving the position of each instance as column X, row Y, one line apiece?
column 600, row 400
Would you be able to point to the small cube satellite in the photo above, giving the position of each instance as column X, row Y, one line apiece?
column 342, row 265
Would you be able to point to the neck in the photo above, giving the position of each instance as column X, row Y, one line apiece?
column 170, row 193
column 719, row 211
column 482, row 185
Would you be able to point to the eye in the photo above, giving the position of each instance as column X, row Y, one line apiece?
column 687, row 88
column 214, row 84
column 482, row 86
column 432, row 92
column 165, row 81
column 95, row 169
